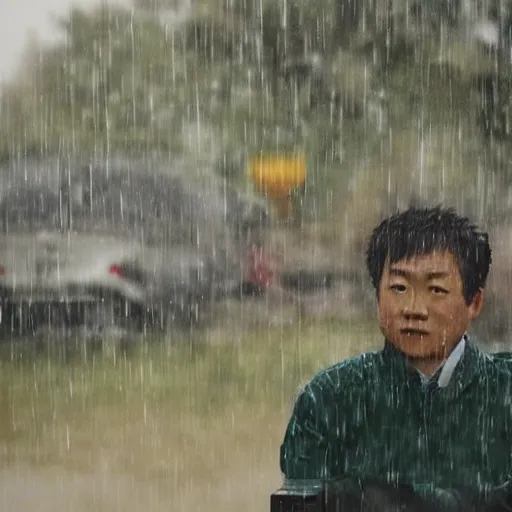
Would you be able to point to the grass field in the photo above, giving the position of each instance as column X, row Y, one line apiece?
column 178, row 426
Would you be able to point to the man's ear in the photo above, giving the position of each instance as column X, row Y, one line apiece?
column 476, row 304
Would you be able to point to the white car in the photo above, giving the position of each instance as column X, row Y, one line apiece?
column 121, row 247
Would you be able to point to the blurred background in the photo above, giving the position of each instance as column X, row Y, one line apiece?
column 328, row 115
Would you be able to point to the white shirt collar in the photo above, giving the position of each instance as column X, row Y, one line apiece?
column 448, row 366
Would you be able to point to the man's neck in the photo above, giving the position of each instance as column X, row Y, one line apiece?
column 427, row 366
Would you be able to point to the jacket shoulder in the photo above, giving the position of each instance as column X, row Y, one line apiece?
column 502, row 361
column 495, row 369
column 345, row 375
column 501, row 357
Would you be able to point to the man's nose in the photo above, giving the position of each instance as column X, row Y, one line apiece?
column 416, row 307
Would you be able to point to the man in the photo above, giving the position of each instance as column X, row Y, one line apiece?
column 425, row 423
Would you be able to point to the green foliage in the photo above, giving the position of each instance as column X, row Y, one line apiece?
column 124, row 81
column 109, row 85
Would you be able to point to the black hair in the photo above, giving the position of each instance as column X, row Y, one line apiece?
column 419, row 231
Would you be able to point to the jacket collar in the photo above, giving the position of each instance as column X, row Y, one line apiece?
column 470, row 366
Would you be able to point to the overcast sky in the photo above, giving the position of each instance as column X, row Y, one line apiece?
column 20, row 18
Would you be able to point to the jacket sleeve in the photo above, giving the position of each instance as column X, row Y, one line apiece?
column 305, row 450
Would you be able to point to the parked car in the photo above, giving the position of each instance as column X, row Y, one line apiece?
column 122, row 244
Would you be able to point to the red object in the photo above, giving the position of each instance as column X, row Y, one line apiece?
column 116, row 270
column 259, row 271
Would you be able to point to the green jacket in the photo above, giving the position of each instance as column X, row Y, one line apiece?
column 370, row 417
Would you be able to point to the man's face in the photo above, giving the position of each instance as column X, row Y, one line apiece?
column 421, row 306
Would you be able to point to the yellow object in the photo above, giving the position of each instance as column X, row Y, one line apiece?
column 277, row 176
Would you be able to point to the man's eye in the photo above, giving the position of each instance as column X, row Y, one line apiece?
column 398, row 288
column 437, row 290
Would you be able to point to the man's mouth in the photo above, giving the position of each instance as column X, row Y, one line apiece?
column 414, row 332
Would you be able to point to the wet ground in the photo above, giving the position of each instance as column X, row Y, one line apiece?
column 102, row 464
column 185, row 423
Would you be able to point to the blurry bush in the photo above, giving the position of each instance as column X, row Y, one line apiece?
column 367, row 90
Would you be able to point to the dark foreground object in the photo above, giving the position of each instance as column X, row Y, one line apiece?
column 357, row 496
column 350, row 496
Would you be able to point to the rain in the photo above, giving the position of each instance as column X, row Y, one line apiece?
column 186, row 192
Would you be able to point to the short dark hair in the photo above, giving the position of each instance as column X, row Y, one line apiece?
column 419, row 231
